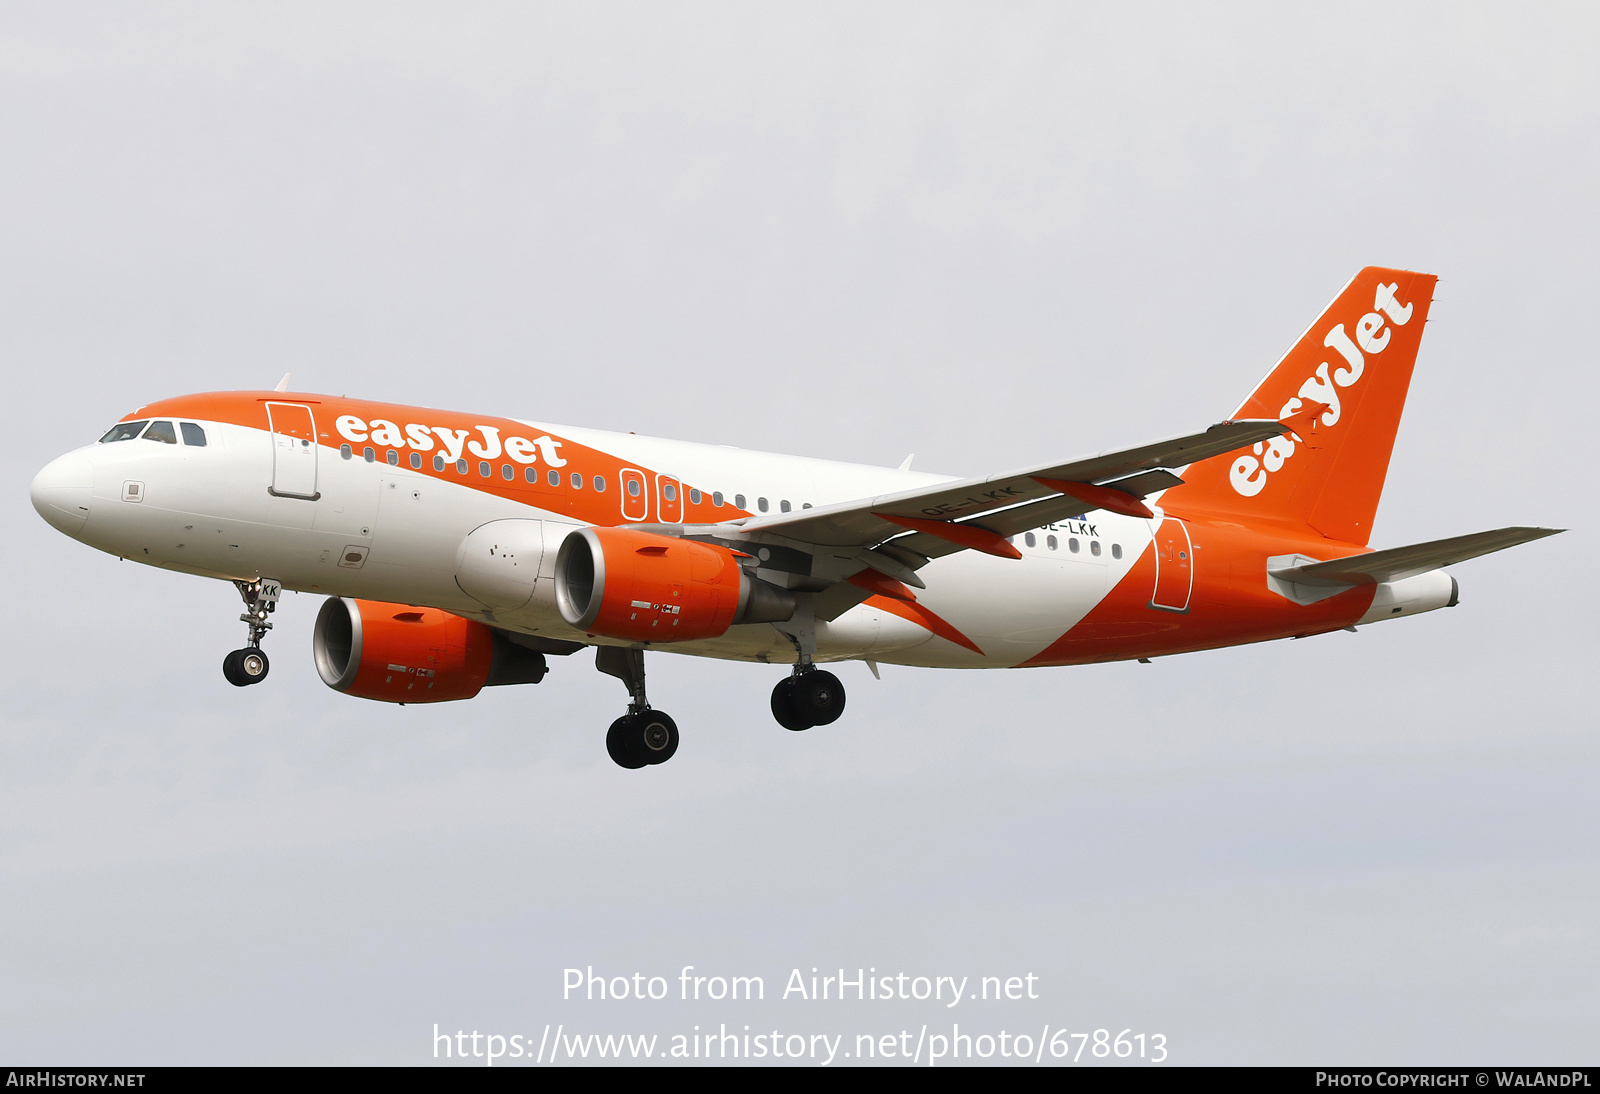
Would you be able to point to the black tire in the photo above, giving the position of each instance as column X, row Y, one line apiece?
column 244, row 667
column 784, row 707
column 819, row 697
column 656, row 736
column 623, row 745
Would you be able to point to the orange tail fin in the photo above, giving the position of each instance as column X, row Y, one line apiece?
column 1357, row 359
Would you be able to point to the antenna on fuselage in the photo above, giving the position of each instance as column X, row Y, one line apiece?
column 283, row 384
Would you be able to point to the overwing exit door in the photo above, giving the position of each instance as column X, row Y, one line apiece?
column 669, row 499
column 635, row 495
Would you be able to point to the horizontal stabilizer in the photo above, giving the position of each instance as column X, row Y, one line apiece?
column 1398, row 563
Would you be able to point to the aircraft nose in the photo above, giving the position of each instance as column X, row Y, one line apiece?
column 62, row 490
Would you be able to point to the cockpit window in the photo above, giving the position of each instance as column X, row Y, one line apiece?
column 161, row 431
column 124, row 431
column 193, row 435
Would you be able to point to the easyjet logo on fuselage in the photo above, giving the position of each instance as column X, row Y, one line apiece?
column 1249, row 474
column 380, row 431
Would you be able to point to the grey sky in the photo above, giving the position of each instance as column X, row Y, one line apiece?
column 985, row 234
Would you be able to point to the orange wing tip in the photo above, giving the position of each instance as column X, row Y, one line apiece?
column 1108, row 498
column 882, row 584
column 962, row 535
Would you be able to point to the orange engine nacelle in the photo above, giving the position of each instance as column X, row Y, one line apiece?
column 396, row 653
column 642, row 587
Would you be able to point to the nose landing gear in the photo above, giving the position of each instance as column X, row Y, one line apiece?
column 250, row 665
column 642, row 737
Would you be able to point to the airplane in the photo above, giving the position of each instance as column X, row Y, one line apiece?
column 460, row 551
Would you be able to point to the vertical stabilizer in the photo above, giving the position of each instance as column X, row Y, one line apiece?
column 1357, row 360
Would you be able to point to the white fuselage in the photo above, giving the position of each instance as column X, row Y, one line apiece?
column 389, row 533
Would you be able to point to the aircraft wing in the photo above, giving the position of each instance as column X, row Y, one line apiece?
column 829, row 550
column 1011, row 502
column 1398, row 563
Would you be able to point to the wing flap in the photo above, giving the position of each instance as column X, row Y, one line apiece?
column 1034, row 514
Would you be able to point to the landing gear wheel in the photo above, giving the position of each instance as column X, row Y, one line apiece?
column 245, row 667
column 642, row 740
column 619, row 744
column 818, row 696
column 785, row 708
column 658, row 736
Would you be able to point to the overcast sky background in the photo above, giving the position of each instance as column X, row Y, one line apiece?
column 986, row 234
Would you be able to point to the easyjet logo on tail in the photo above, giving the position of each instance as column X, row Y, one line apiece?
column 421, row 438
column 1249, row 474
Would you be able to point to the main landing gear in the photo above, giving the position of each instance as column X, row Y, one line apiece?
column 250, row 665
column 810, row 697
column 642, row 737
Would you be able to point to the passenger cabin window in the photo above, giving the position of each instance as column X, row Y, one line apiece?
column 193, row 435
column 507, row 472
column 783, row 506
column 124, row 431
column 1094, row 547
column 344, row 451
column 416, row 461
column 161, row 431
column 599, row 484
column 366, row 454
column 669, row 492
column 1116, row 550
column 633, row 488
column 577, row 481
column 1072, row 544
column 1050, row 541
column 1029, row 540
column 738, row 500
column 694, row 497
column 438, row 463
column 717, row 499
column 761, row 503
column 554, row 478
column 393, row 457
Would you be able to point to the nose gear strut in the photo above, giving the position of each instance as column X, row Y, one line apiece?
column 250, row 665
